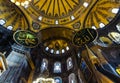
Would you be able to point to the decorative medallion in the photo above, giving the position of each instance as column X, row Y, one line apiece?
column 84, row 36
column 25, row 38
column 35, row 26
column 76, row 25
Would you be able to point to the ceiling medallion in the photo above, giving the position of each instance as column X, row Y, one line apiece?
column 21, row 2
column 76, row 25
column 84, row 36
column 25, row 38
column 35, row 26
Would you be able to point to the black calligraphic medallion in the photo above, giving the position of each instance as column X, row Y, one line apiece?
column 25, row 38
column 84, row 36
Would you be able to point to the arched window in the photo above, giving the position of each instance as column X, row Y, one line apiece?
column 58, row 79
column 2, row 22
column 44, row 65
column 9, row 27
column 69, row 63
column 72, row 78
column 104, row 42
column 115, row 36
column 57, row 67
column 118, row 27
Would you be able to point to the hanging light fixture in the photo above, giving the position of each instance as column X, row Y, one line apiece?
column 21, row 2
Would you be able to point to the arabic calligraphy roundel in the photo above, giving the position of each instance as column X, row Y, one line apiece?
column 84, row 36
column 25, row 38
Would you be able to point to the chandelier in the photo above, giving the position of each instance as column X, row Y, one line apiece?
column 21, row 2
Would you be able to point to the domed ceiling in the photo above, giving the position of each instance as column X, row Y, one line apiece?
column 45, row 15
column 73, row 14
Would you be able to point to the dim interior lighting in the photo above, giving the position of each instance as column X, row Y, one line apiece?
column 21, row 2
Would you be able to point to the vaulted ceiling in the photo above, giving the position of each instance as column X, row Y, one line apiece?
column 73, row 14
column 58, row 19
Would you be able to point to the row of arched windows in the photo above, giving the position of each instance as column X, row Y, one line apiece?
column 111, row 38
column 57, row 65
column 2, row 22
